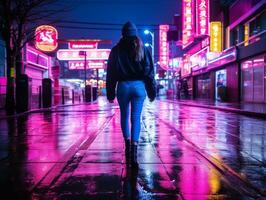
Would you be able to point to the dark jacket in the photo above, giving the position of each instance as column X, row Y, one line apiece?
column 121, row 67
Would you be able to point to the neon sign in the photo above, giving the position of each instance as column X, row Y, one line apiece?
column 46, row 38
column 91, row 54
column 202, row 17
column 186, row 67
column 199, row 59
column 164, row 46
column 89, row 65
column 216, row 37
column 82, row 45
column 246, row 34
column 188, row 22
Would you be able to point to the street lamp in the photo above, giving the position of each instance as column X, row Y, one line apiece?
column 148, row 45
column 147, row 32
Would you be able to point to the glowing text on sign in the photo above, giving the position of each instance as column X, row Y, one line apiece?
column 216, row 37
column 89, row 64
column 46, row 38
column 91, row 54
column 164, row 46
column 188, row 22
column 82, row 45
column 202, row 17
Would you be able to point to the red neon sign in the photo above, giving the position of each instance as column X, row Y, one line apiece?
column 188, row 22
column 91, row 54
column 46, row 38
column 202, row 17
column 82, row 45
column 164, row 46
column 90, row 64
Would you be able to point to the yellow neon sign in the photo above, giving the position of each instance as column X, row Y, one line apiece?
column 246, row 33
column 216, row 37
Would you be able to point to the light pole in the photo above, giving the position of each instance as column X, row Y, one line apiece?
column 147, row 32
column 84, row 53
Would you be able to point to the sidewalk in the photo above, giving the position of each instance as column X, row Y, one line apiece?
column 249, row 109
column 170, row 168
column 77, row 152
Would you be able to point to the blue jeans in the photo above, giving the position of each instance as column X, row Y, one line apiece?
column 134, row 93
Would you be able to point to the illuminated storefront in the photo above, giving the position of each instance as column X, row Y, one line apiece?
column 253, row 81
column 247, row 31
column 37, row 66
column 202, row 80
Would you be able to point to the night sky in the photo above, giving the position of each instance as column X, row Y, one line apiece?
column 103, row 19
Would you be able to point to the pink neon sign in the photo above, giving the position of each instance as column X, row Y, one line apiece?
column 188, row 22
column 74, row 54
column 164, row 46
column 82, row 45
column 202, row 17
column 90, row 64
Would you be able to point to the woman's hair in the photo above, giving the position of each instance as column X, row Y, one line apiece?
column 134, row 47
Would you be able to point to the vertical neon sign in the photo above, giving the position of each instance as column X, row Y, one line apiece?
column 202, row 17
column 164, row 46
column 216, row 37
column 188, row 22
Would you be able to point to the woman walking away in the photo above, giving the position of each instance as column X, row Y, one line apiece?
column 130, row 67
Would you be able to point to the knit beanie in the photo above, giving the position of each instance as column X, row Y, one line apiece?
column 129, row 29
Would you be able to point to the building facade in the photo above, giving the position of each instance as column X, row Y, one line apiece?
column 225, row 61
column 247, row 31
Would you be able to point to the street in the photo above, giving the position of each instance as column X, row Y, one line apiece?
column 185, row 152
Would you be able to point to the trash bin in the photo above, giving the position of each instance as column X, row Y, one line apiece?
column 91, row 93
column 23, row 93
column 94, row 93
column 88, row 93
column 46, row 92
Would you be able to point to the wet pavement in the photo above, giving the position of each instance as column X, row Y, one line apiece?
column 77, row 152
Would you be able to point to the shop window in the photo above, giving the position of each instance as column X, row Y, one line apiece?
column 247, row 81
column 220, row 85
column 258, row 71
column 203, row 86
column 234, row 37
column 258, row 24
column 253, row 80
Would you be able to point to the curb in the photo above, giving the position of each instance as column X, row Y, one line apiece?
column 221, row 108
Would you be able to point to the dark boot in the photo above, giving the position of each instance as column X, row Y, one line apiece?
column 127, row 152
column 134, row 156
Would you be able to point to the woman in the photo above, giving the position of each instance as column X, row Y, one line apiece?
column 130, row 65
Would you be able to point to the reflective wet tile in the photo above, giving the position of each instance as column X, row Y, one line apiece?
column 103, row 156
